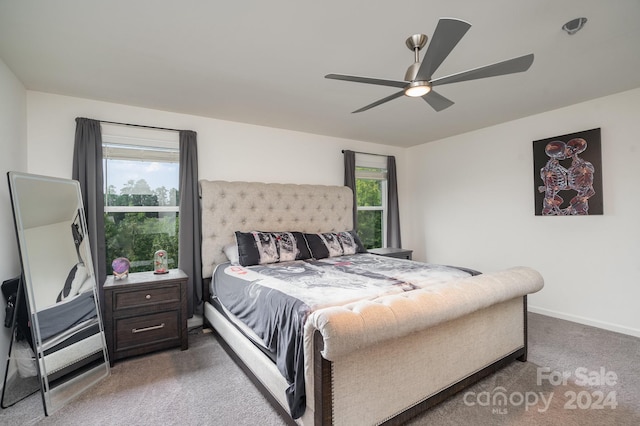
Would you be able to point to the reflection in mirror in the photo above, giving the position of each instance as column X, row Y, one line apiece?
column 21, row 375
column 60, row 344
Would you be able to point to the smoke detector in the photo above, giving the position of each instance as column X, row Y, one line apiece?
column 574, row 25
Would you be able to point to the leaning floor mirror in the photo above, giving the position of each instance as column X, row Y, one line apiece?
column 58, row 344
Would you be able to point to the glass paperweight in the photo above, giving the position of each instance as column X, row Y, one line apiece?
column 160, row 262
column 120, row 268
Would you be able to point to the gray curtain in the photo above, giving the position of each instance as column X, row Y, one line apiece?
column 87, row 169
column 350, row 180
column 393, row 213
column 189, row 259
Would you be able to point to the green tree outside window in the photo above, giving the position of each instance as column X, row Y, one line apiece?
column 369, row 194
column 137, row 235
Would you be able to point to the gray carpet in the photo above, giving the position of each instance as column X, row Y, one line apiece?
column 202, row 386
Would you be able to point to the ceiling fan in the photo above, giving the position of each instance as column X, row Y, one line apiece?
column 418, row 78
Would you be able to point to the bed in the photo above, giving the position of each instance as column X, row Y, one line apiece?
column 379, row 360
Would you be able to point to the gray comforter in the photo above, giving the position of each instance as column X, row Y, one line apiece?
column 275, row 299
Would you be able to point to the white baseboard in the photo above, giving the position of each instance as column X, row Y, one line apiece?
column 586, row 321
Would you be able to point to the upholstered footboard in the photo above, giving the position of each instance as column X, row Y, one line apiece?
column 399, row 378
column 389, row 359
column 392, row 354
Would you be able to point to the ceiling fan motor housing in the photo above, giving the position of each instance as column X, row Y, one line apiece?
column 410, row 75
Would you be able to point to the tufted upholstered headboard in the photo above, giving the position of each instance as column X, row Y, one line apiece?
column 252, row 206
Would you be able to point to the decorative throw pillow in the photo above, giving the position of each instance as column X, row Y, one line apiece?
column 75, row 280
column 258, row 248
column 330, row 244
column 350, row 242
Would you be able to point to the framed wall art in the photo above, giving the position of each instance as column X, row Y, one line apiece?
column 567, row 174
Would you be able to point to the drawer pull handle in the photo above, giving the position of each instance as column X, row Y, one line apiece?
column 148, row 296
column 153, row 327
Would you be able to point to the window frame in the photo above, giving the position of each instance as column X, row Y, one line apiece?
column 379, row 162
column 149, row 145
column 139, row 144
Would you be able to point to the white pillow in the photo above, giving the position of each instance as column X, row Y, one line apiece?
column 231, row 251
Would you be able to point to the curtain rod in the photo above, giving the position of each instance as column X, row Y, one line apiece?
column 140, row 125
column 367, row 153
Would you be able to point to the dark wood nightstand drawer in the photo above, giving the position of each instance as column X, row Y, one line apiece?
column 145, row 312
column 146, row 329
column 149, row 296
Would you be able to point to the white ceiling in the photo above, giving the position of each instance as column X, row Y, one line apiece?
column 263, row 62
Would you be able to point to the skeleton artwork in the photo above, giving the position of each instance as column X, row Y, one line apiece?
column 580, row 178
column 555, row 178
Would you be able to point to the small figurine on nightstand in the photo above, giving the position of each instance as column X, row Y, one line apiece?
column 161, row 263
column 120, row 268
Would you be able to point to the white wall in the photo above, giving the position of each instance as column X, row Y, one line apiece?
column 13, row 143
column 473, row 205
column 41, row 241
column 226, row 150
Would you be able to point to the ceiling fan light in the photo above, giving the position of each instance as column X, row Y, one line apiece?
column 417, row 89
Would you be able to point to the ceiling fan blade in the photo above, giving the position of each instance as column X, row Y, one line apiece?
column 446, row 36
column 509, row 66
column 367, row 80
column 381, row 101
column 437, row 101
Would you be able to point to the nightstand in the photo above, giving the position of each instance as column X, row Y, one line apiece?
column 392, row 252
column 145, row 312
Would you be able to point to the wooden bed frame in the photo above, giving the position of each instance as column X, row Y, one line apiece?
column 390, row 372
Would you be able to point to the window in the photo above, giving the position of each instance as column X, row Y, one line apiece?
column 141, row 180
column 371, row 196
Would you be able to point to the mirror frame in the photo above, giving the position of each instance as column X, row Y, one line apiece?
column 35, row 201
